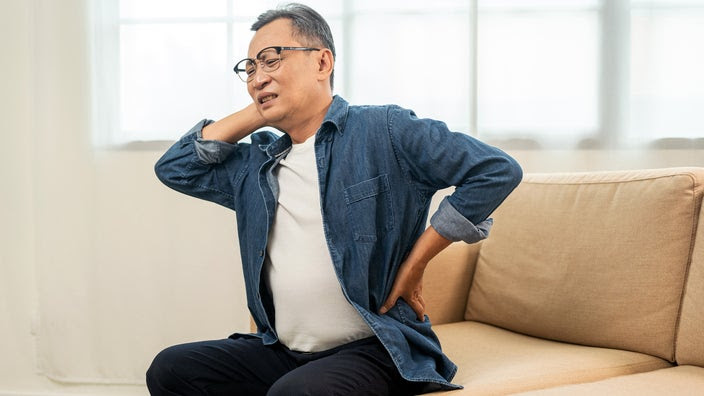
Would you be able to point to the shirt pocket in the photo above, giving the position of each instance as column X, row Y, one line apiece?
column 369, row 208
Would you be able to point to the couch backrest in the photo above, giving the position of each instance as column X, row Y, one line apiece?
column 446, row 280
column 690, row 337
column 597, row 259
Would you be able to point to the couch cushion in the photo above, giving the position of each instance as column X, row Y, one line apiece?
column 681, row 381
column 446, row 282
column 496, row 361
column 690, row 339
column 596, row 258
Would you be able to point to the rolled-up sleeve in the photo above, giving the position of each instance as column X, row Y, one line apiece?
column 452, row 225
column 201, row 168
column 210, row 151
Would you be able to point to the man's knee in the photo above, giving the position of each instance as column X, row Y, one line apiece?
column 223, row 367
column 163, row 373
column 292, row 385
column 305, row 385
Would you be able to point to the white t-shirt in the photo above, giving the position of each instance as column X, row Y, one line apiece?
column 312, row 314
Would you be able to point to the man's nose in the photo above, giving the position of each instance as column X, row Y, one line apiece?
column 261, row 78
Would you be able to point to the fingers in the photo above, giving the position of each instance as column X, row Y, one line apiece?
column 390, row 302
column 418, row 306
column 417, row 303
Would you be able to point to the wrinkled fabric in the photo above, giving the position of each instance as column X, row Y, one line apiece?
column 245, row 366
column 378, row 168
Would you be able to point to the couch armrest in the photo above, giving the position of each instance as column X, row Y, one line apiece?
column 446, row 282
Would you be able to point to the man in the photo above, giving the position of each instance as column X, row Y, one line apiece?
column 331, row 220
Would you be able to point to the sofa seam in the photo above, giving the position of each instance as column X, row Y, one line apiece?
column 696, row 214
column 602, row 373
column 583, row 182
column 638, row 365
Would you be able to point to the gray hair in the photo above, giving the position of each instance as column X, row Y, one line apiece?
column 307, row 24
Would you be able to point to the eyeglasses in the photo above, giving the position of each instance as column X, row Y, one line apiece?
column 268, row 59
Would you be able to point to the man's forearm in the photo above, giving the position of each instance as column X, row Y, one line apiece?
column 235, row 126
column 409, row 279
column 426, row 247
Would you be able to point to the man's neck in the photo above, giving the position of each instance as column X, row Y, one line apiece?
column 303, row 130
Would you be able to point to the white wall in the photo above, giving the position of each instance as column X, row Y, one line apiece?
column 100, row 265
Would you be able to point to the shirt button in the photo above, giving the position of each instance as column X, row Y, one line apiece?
column 261, row 253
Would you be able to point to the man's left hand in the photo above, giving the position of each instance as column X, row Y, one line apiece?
column 409, row 286
column 409, row 279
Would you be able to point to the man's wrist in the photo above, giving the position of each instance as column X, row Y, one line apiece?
column 235, row 126
column 255, row 117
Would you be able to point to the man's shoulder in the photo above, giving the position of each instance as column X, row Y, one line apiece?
column 377, row 111
column 374, row 107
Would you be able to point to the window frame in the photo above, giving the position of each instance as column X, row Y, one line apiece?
column 613, row 94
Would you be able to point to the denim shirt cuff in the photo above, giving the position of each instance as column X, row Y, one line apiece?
column 450, row 223
column 209, row 151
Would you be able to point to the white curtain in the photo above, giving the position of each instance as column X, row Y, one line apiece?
column 124, row 266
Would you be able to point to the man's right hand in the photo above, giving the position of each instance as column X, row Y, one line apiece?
column 235, row 126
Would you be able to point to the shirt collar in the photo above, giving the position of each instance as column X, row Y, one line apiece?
column 335, row 117
column 337, row 114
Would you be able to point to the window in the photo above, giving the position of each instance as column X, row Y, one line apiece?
column 556, row 73
column 667, row 59
column 538, row 68
column 162, row 65
column 412, row 53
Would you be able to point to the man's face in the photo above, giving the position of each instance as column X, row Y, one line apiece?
column 281, row 96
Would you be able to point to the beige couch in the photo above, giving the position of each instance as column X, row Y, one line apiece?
column 589, row 284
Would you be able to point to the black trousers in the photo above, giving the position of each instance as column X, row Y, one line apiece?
column 245, row 366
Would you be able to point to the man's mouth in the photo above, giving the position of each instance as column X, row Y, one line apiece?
column 267, row 98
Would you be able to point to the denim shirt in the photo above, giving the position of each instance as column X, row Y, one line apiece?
column 378, row 168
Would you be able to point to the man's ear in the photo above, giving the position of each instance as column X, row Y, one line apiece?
column 326, row 63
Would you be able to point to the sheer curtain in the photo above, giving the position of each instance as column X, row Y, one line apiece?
column 667, row 59
column 124, row 266
column 538, row 69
